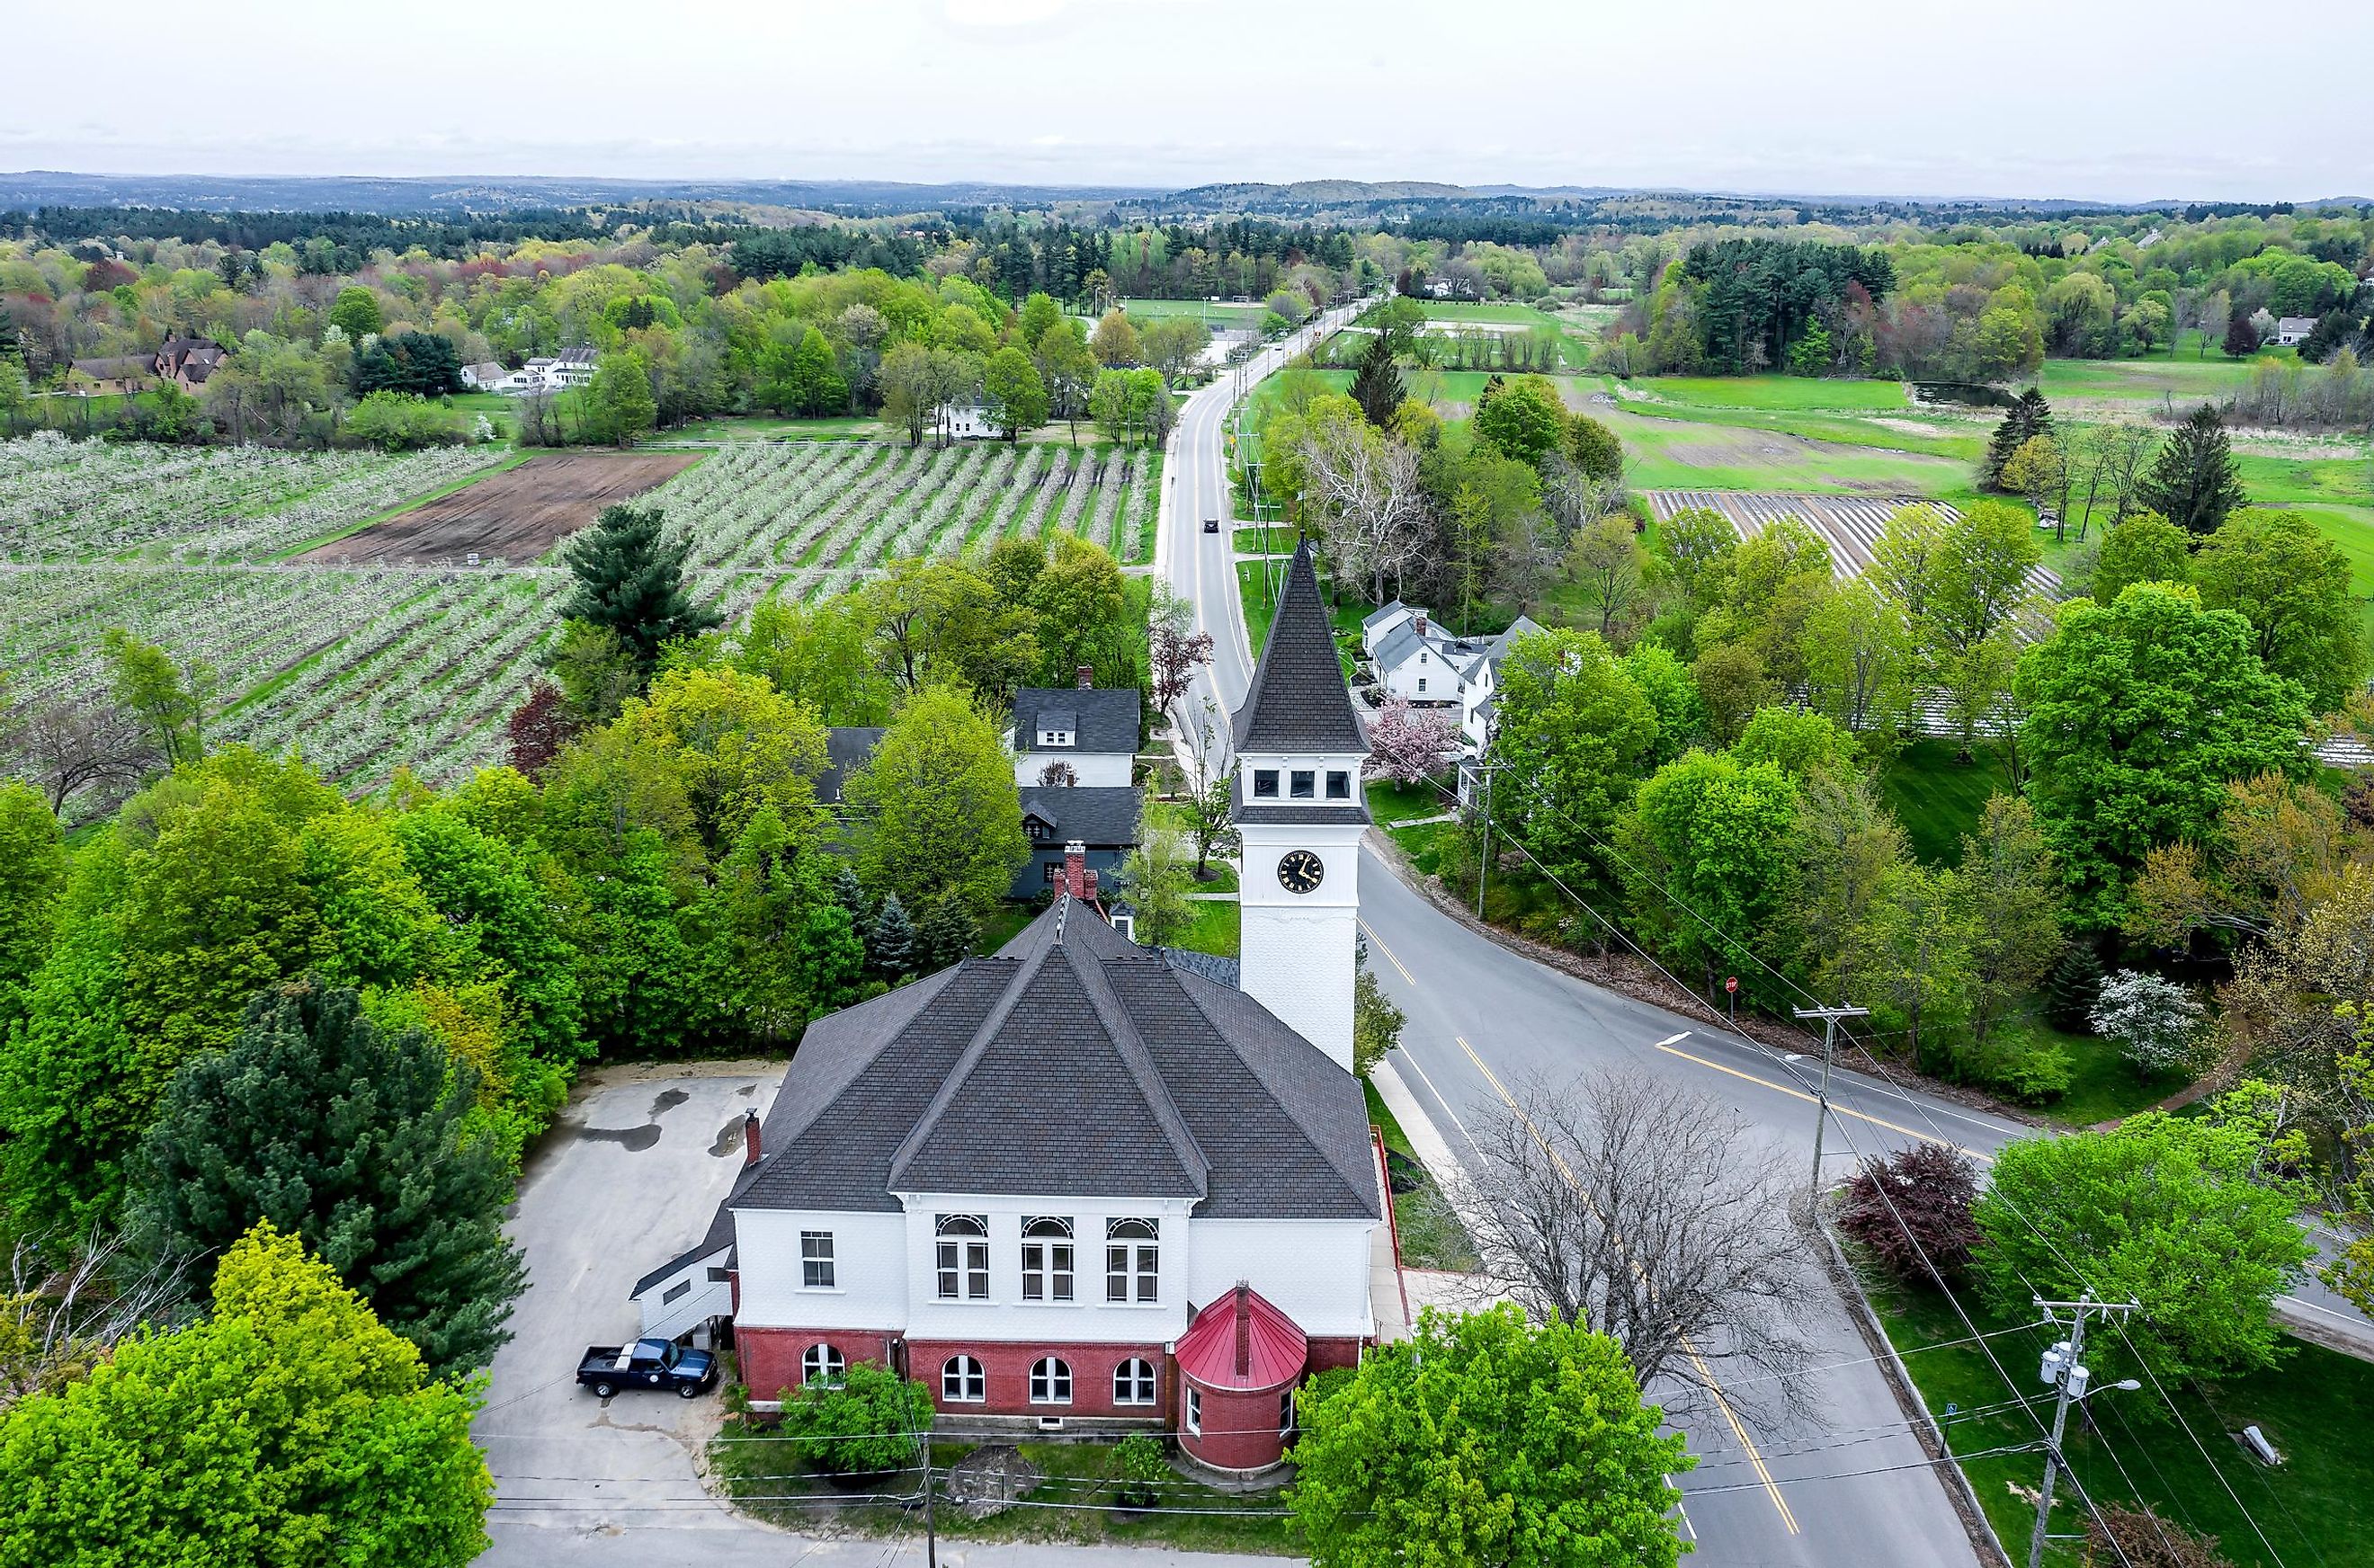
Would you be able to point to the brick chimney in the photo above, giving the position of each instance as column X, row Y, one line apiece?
column 1083, row 677
column 1419, row 615
column 1244, row 1328
column 1076, row 868
column 749, row 1138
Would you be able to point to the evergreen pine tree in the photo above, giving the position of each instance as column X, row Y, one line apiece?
column 630, row 581
column 2194, row 482
column 1377, row 387
column 2028, row 417
column 2071, row 990
column 890, row 939
column 359, row 1141
column 947, row 936
column 849, row 894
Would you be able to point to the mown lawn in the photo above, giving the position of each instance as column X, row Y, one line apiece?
column 1218, row 317
column 2147, row 382
column 767, row 427
column 1937, row 799
column 1217, row 928
column 1777, row 392
column 2184, row 1461
column 1075, row 1503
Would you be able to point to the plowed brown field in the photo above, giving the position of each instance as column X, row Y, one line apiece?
column 516, row 515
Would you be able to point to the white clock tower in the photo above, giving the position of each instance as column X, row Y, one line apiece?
column 1300, row 814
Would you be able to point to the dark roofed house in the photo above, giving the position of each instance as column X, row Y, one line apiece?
column 1023, row 1178
column 846, row 749
column 1103, row 822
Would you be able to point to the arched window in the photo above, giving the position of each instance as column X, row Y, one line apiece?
column 964, row 1257
column 1132, row 1254
column 962, row 1381
column 1046, row 1260
column 1051, row 1381
column 1134, row 1382
column 823, row 1363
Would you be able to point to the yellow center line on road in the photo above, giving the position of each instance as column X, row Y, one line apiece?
column 1379, row 943
column 1836, row 1109
column 1706, row 1373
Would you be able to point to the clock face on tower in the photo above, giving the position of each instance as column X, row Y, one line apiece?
column 1299, row 871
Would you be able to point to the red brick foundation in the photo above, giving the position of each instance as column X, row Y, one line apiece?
column 770, row 1358
column 1007, row 1375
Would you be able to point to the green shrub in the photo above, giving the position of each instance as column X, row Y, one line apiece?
column 867, row 1421
column 1138, row 1468
column 2028, row 1071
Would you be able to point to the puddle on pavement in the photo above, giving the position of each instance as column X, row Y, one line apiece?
column 747, row 1090
column 729, row 1138
column 669, row 1100
column 634, row 1139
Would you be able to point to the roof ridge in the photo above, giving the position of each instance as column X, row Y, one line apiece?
column 1288, row 1105
column 1139, row 1060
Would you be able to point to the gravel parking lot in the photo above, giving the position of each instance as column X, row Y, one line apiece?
column 627, row 1180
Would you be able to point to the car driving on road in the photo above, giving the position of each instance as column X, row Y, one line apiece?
column 647, row 1364
column 1211, row 525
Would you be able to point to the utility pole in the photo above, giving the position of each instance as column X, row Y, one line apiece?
column 1829, row 1017
column 2062, row 1368
column 931, row 1532
column 1484, row 855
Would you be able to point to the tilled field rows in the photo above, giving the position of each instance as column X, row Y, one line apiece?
column 1851, row 524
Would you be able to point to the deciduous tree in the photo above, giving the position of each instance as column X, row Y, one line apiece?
column 940, row 814
column 1493, row 1442
column 289, row 1425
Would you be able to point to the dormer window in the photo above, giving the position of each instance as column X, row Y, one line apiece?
column 1339, row 784
column 1265, row 784
column 1303, row 785
column 1054, row 737
column 1058, row 727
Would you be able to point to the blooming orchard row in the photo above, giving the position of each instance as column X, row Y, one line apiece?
column 366, row 669
column 67, row 500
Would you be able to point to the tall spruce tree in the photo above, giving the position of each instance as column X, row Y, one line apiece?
column 2023, row 421
column 2195, row 482
column 630, row 581
column 890, row 941
column 1376, row 386
column 361, row 1142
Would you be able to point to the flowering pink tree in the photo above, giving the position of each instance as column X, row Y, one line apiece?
column 1409, row 744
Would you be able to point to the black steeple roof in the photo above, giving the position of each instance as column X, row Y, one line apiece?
column 1298, row 701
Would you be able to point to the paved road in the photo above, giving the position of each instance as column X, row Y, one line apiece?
column 1482, row 1021
column 1201, row 566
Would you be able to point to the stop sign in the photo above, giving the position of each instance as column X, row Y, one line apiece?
column 1732, row 985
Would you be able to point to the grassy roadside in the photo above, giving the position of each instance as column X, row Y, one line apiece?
column 2182, row 1458
column 1431, row 1234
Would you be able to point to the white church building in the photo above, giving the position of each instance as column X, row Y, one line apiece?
column 1080, row 1181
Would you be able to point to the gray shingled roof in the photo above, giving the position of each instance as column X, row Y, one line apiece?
column 846, row 748
column 1072, row 1064
column 1100, row 814
column 1298, row 701
column 1104, row 720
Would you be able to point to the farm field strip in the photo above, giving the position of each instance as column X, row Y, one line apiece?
column 1851, row 524
column 64, row 500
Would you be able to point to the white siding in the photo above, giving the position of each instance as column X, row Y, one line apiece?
column 1097, row 770
column 1005, row 1316
column 869, row 1269
column 703, row 1299
column 1297, row 949
column 1316, row 1271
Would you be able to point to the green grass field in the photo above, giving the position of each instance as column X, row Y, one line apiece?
column 1216, row 316
column 2318, row 1507
column 1777, row 391
column 1217, row 927
column 1937, row 799
column 2145, row 382
column 767, row 427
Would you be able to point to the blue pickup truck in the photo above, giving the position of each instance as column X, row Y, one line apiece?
column 647, row 1364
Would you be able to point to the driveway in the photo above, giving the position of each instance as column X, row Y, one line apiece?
column 629, row 1178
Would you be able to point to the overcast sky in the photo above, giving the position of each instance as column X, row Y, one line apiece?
column 2016, row 97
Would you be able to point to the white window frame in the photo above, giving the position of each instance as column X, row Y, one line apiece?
column 817, row 1270
column 968, row 1377
column 1337, row 776
column 1135, row 1383
column 1265, row 784
column 1302, row 784
column 1132, row 1257
column 1053, row 1375
column 960, row 1256
column 1195, row 1410
column 1286, row 1413
column 823, row 1363
column 1048, row 1255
